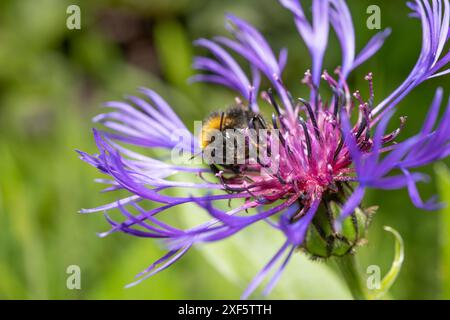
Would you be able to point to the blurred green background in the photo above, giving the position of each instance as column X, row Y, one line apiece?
column 52, row 82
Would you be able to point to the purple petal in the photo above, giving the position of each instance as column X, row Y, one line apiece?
column 296, row 231
column 262, row 274
column 433, row 113
column 350, row 205
column 278, row 273
column 371, row 48
column 430, row 205
column 167, row 264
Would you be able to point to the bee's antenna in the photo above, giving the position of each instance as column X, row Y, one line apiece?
column 221, row 121
column 196, row 155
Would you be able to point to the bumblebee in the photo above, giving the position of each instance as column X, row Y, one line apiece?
column 234, row 119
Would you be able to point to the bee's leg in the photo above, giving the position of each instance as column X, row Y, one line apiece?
column 236, row 169
column 217, row 171
column 257, row 122
column 228, row 188
column 214, row 168
column 261, row 121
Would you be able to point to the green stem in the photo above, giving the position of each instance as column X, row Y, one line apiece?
column 349, row 269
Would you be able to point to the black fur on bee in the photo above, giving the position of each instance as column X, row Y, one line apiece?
column 235, row 120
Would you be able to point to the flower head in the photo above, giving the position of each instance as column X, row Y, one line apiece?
column 323, row 162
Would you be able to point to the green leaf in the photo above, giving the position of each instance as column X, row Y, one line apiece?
column 443, row 180
column 396, row 266
column 241, row 257
column 174, row 52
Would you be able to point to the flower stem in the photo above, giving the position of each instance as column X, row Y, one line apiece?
column 349, row 269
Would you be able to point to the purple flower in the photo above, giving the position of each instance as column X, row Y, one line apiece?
column 323, row 160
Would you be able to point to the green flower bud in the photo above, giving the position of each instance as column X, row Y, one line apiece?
column 323, row 241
